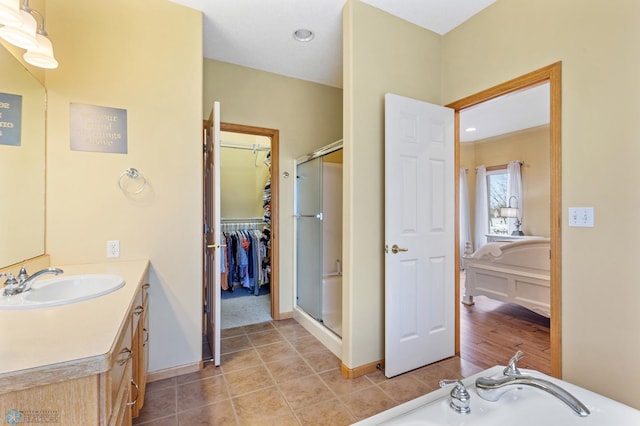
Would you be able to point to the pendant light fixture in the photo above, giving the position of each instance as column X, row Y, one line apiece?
column 10, row 12
column 27, row 33
column 22, row 35
column 42, row 55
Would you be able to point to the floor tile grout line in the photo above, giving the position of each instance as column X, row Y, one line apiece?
column 288, row 404
column 290, row 341
column 340, row 397
column 233, row 406
column 146, row 422
column 312, row 374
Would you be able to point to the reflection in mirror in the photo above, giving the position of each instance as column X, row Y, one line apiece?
column 22, row 162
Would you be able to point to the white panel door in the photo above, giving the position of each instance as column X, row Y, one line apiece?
column 419, row 234
column 213, row 245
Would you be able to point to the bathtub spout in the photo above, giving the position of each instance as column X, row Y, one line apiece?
column 491, row 389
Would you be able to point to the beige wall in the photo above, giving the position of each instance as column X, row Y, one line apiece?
column 146, row 57
column 597, row 43
column 530, row 146
column 136, row 67
column 381, row 54
column 308, row 116
column 243, row 176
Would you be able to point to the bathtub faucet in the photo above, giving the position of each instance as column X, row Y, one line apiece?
column 492, row 388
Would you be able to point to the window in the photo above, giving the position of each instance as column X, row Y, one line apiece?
column 497, row 188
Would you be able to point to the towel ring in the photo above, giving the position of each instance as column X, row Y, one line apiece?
column 132, row 174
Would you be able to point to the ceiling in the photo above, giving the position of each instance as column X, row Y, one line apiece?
column 507, row 114
column 259, row 34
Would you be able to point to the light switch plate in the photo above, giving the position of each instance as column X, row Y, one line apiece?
column 581, row 217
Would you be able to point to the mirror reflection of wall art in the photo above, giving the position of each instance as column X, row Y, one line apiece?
column 10, row 119
column 97, row 128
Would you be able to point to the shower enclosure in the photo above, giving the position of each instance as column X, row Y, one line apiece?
column 319, row 236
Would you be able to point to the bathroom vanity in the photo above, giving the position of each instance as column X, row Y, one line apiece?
column 81, row 363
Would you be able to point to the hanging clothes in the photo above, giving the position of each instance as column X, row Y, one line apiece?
column 243, row 256
column 266, row 232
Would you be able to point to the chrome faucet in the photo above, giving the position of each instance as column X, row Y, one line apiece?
column 460, row 399
column 492, row 388
column 21, row 283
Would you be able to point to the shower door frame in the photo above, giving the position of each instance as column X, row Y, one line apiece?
column 333, row 341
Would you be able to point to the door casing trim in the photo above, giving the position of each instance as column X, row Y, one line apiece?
column 553, row 75
column 274, row 134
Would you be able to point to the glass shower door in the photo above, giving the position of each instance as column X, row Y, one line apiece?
column 309, row 237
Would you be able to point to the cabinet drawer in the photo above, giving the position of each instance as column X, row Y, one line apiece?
column 121, row 414
column 121, row 363
column 138, row 309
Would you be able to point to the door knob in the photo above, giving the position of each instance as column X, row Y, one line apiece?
column 395, row 249
column 213, row 246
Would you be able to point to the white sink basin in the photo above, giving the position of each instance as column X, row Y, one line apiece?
column 63, row 290
column 523, row 407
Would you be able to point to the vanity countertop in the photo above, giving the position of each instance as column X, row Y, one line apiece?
column 46, row 345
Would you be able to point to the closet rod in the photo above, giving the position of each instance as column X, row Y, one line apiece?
column 242, row 219
column 254, row 147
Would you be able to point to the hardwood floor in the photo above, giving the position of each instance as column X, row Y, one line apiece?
column 491, row 332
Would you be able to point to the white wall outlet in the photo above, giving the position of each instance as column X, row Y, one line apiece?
column 113, row 248
column 581, row 217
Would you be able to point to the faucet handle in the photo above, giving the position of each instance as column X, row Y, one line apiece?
column 10, row 285
column 512, row 368
column 22, row 275
column 460, row 397
column 11, row 280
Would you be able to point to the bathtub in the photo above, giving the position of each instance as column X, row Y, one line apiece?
column 523, row 407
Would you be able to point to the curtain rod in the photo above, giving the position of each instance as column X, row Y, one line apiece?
column 500, row 166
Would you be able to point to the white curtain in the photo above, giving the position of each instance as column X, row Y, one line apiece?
column 514, row 189
column 482, row 207
column 465, row 219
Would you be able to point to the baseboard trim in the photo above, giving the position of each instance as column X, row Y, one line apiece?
column 352, row 373
column 284, row 315
column 168, row 373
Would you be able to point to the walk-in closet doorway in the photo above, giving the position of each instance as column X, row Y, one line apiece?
column 248, row 158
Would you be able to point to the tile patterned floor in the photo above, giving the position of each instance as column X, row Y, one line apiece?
column 277, row 373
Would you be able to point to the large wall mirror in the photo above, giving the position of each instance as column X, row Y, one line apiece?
column 22, row 162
